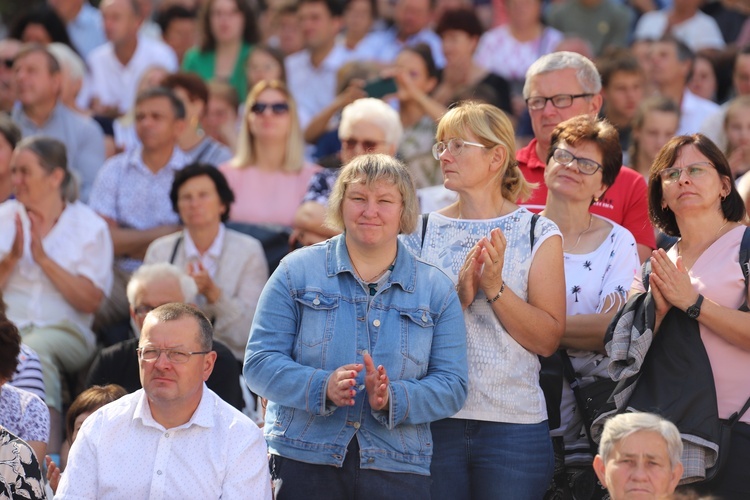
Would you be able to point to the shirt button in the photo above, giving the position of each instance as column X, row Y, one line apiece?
column 316, row 301
column 158, row 472
column 356, row 425
column 166, row 434
column 376, row 322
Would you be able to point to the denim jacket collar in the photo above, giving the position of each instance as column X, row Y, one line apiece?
column 404, row 271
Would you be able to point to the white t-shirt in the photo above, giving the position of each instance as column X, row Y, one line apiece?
column 698, row 32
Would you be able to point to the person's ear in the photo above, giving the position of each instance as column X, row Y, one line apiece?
column 596, row 104
column 600, row 470
column 208, row 364
column 676, row 476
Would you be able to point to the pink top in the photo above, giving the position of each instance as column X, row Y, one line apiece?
column 267, row 197
column 717, row 275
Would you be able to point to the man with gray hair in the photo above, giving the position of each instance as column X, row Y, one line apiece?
column 151, row 286
column 174, row 438
column 639, row 457
column 559, row 86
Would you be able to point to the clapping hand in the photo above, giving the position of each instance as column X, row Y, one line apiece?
column 341, row 385
column 376, row 384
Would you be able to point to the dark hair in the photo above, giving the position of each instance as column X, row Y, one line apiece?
column 89, row 401
column 617, row 60
column 47, row 17
column 10, row 346
column 584, row 128
column 335, row 7
column 373, row 7
column 154, row 92
column 732, row 205
column 225, row 92
column 35, row 48
column 196, row 170
column 425, row 52
column 462, row 19
column 164, row 18
column 274, row 52
column 174, row 311
column 190, row 83
column 249, row 34
column 648, row 105
column 9, row 130
column 52, row 154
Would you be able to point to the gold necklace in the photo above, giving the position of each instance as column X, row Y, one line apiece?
column 591, row 219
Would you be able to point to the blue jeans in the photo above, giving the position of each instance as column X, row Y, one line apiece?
column 476, row 460
column 349, row 482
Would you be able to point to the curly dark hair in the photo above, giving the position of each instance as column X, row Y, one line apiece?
column 10, row 346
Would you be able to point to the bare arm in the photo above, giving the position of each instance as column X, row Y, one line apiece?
column 319, row 124
column 78, row 290
column 586, row 331
column 133, row 242
column 310, row 217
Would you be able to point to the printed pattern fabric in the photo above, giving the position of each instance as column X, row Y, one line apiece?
column 20, row 474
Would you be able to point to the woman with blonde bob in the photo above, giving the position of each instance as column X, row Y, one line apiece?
column 358, row 346
column 268, row 174
column 508, row 269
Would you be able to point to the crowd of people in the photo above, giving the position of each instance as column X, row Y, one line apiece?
column 433, row 248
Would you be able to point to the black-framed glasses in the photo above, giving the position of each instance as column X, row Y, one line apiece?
column 558, row 101
column 693, row 171
column 277, row 108
column 585, row 165
column 175, row 356
column 454, row 145
column 367, row 145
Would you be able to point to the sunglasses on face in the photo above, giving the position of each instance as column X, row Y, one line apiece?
column 277, row 108
column 367, row 145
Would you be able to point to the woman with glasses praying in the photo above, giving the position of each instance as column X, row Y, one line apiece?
column 600, row 262
column 358, row 346
column 367, row 126
column 692, row 197
column 268, row 172
column 507, row 265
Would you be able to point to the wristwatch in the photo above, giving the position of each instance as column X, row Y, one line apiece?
column 695, row 310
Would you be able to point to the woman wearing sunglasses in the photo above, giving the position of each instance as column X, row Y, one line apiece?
column 268, row 173
column 512, row 294
column 600, row 262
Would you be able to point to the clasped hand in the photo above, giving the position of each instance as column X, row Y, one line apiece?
column 483, row 268
column 342, row 384
column 670, row 284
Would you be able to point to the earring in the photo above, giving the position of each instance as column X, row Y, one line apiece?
column 596, row 199
column 723, row 197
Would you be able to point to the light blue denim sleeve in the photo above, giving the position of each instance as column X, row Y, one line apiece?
column 442, row 391
column 269, row 369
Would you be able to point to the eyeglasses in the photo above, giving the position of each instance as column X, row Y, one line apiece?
column 8, row 63
column 694, row 171
column 174, row 356
column 143, row 310
column 585, row 166
column 558, row 101
column 277, row 108
column 367, row 145
column 454, row 145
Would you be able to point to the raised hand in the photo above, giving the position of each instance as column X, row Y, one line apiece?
column 492, row 257
column 341, row 385
column 469, row 277
column 672, row 280
column 206, row 285
column 376, row 384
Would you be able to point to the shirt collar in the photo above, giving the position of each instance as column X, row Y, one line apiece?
column 214, row 251
column 202, row 416
column 176, row 161
column 528, row 156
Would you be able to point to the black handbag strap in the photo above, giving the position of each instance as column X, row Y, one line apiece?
column 534, row 218
column 425, row 220
column 575, row 385
column 174, row 250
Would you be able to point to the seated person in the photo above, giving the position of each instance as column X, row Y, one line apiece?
column 198, row 445
column 639, row 451
column 228, row 267
column 367, row 126
column 151, row 286
column 21, row 412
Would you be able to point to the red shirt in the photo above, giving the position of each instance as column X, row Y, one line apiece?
column 625, row 202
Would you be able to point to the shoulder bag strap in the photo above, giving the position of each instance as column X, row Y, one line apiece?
column 534, row 218
column 745, row 264
column 425, row 220
column 575, row 385
column 177, row 244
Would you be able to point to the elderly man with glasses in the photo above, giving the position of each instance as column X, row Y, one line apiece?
column 559, row 86
column 175, row 438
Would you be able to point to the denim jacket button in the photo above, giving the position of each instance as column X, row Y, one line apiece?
column 424, row 318
column 370, row 460
column 356, row 425
column 316, row 301
column 376, row 322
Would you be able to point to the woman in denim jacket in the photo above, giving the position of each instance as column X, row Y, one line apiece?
column 358, row 346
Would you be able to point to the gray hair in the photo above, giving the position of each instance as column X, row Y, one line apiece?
column 69, row 60
column 52, row 154
column 175, row 311
column 369, row 169
column 149, row 273
column 375, row 112
column 623, row 425
column 586, row 72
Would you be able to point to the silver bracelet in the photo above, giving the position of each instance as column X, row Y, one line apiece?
column 502, row 289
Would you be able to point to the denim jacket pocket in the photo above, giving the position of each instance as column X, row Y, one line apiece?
column 317, row 317
column 417, row 327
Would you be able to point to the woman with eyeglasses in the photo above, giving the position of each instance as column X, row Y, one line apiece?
column 367, row 126
column 600, row 262
column 507, row 265
column 358, row 346
column 699, row 283
column 268, row 172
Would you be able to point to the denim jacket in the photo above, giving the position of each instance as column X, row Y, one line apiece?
column 314, row 317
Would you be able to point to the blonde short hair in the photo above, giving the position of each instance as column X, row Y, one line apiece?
column 245, row 155
column 492, row 128
column 369, row 169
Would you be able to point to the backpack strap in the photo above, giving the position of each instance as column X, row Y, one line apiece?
column 745, row 264
column 534, row 218
column 425, row 220
column 575, row 386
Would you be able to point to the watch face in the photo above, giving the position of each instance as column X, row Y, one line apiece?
column 693, row 312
